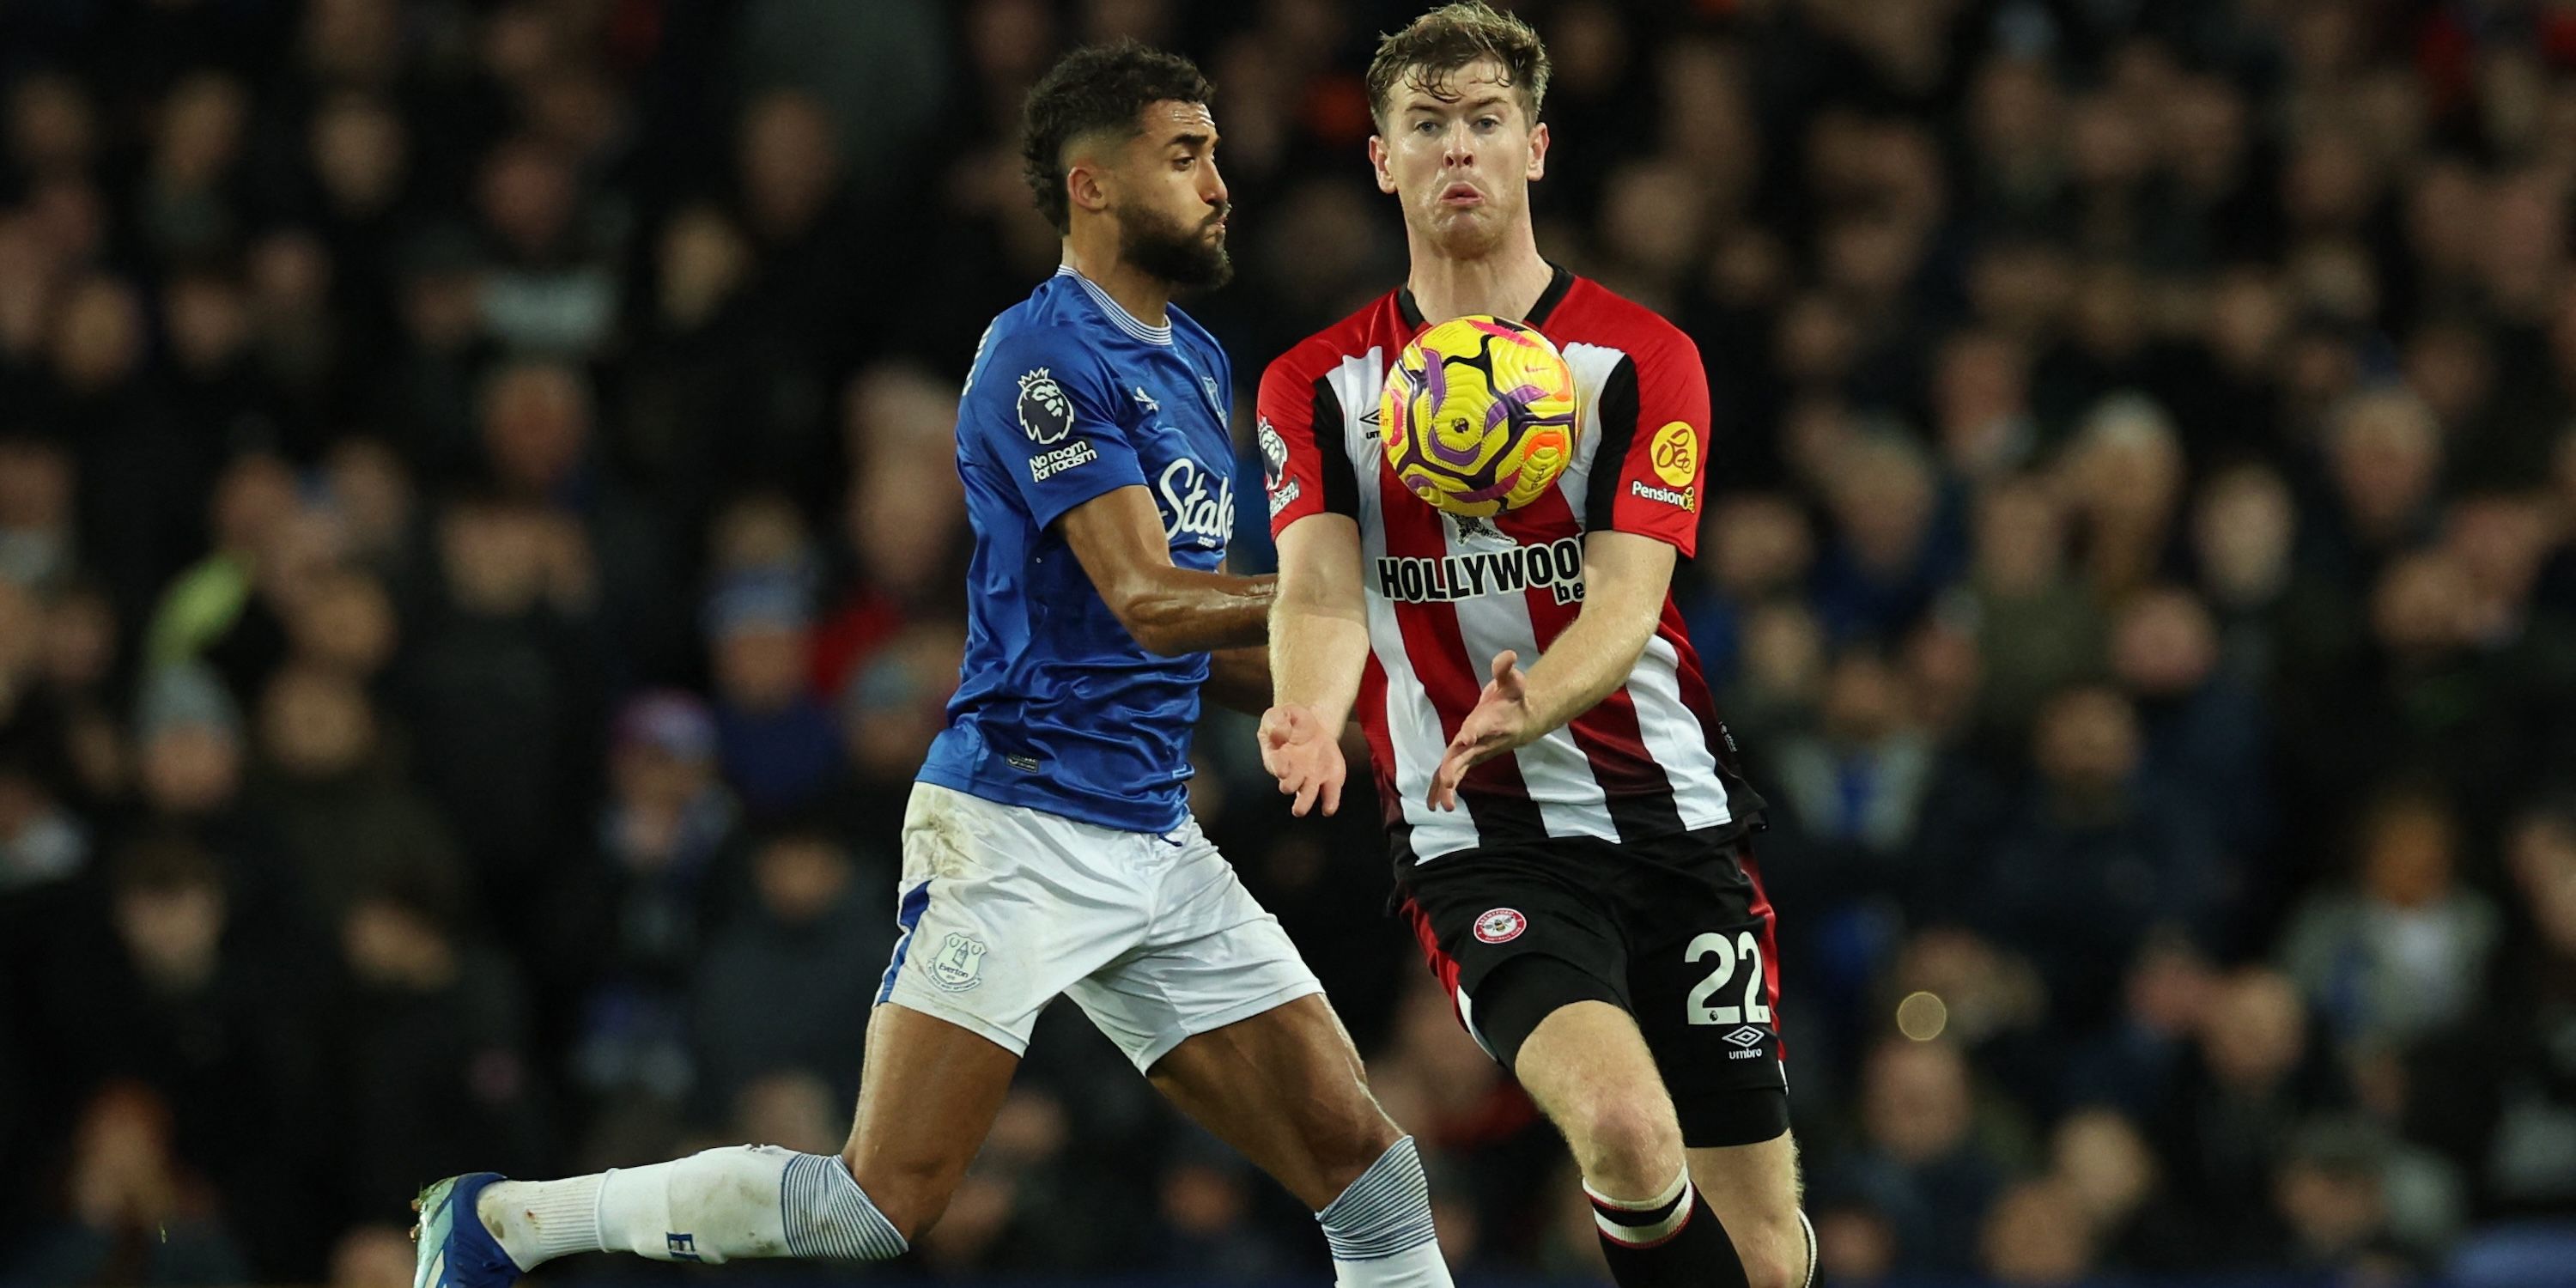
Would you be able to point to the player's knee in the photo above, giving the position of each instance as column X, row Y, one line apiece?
column 1627, row 1149
column 910, row 1195
column 1348, row 1141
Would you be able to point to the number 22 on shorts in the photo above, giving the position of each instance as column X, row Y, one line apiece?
column 1727, row 947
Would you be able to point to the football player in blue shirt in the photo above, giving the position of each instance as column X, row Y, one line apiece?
column 1048, row 847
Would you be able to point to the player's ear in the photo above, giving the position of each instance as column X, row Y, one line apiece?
column 1377, row 165
column 1538, row 152
column 1085, row 186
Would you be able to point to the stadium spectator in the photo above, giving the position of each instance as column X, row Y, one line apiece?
column 132, row 1212
column 2098, row 857
column 2039, row 628
column 38, row 543
column 2110, row 1171
column 1204, row 1196
column 189, row 760
column 2230, row 1113
column 2132, row 1061
column 430, row 1046
column 496, row 690
column 780, row 748
column 345, row 816
column 2332, row 1196
column 780, row 981
column 2404, row 948
column 643, row 905
column 1858, row 780
column 2038, row 1234
column 1921, row 1168
column 43, row 840
column 2202, row 729
column 2493, row 1088
column 215, row 1012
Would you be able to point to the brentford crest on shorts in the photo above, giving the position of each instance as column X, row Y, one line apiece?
column 1501, row 926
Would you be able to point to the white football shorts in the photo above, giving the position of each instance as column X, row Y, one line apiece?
column 1003, row 908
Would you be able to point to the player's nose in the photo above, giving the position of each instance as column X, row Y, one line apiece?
column 1459, row 148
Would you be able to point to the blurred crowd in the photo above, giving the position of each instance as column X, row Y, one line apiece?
column 480, row 560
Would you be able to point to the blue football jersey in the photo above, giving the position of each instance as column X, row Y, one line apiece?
column 1058, row 709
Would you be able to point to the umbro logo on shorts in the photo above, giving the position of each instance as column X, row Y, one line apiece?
column 1747, row 1037
column 1501, row 926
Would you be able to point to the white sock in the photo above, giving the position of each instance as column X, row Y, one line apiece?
column 716, row 1206
column 538, row 1221
column 1808, row 1228
column 1380, row 1228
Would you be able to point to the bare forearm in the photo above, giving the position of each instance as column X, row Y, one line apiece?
column 1627, row 577
column 1319, row 638
column 1318, row 643
column 1119, row 539
column 1239, row 679
column 1595, row 655
column 1182, row 610
column 1584, row 665
column 1316, row 655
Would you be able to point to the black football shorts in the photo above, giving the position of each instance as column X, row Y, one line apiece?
column 1674, row 931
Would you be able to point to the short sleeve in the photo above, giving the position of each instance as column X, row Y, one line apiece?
column 1305, row 466
column 1651, row 476
column 1040, row 412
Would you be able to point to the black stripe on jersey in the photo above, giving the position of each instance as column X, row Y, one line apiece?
column 1399, row 833
column 1333, row 453
column 1645, row 817
column 1743, row 804
column 1504, row 820
column 1618, row 430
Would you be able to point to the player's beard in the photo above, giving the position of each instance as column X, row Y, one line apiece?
column 1181, row 254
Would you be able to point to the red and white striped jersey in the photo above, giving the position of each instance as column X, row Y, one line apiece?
column 1445, row 595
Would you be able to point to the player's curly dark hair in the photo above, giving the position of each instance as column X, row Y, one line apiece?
column 1092, row 90
column 1430, row 48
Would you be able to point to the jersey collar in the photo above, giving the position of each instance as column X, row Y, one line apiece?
column 1548, row 299
column 1118, row 314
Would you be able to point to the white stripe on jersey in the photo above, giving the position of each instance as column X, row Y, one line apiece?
column 1673, row 736
column 1412, row 724
column 1592, row 365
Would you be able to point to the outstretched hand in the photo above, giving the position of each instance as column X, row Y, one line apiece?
column 1500, row 722
column 1304, row 756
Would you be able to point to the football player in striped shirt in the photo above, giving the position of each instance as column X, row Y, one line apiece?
column 1571, row 838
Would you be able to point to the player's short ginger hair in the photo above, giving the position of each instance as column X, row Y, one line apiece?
column 1439, row 44
column 1097, row 89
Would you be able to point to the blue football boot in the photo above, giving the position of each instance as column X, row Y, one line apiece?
column 454, row 1250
